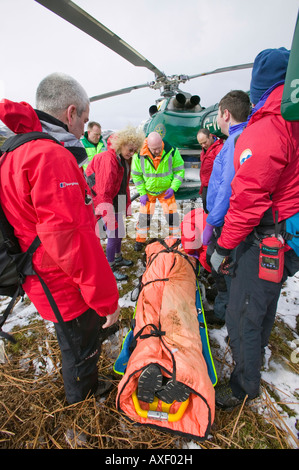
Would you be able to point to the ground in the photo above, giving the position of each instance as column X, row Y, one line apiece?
column 35, row 415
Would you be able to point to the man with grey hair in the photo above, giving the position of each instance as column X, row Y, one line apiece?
column 44, row 193
column 63, row 98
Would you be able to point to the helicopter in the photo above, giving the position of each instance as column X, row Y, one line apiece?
column 290, row 98
column 176, row 115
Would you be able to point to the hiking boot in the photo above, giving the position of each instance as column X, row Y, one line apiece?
column 225, row 399
column 173, row 391
column 138, row 246
column 105, row 384
column 117, row 274
column 211, row 318
column 120, row 261
column 211, row 293
column 149, row 381
column 106, row 332
column 120, row 276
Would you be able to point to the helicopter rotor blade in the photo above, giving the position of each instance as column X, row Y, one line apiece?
column 163, row 81
column 75, row 15
column 121, row 91
column 223, row 69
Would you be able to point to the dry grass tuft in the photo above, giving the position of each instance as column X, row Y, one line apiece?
column 35, row 415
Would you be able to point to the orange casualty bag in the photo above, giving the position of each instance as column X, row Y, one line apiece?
column 166, row 334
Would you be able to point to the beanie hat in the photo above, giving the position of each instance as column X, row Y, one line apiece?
column 269, row 67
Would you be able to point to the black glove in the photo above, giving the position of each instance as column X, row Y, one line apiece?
column 221, row 261
column 227, row 266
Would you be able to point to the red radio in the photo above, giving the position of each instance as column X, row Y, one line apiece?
column 271, row 260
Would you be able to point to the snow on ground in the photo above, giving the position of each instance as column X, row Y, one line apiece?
column 283, row 380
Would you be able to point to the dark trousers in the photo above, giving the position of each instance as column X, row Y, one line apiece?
column 222, row 281
column 204, row 198
column 79, row 362
column 250, row 316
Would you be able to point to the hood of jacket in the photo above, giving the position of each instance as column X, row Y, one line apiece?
column 269, row 105
column 20, row 118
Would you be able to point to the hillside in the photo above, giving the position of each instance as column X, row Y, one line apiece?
column 34, row 414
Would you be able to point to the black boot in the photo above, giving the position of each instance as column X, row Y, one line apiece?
column 149, row 381
column 120, row 261
column 211, row 318
column 173, row 391
column 105, row 384
column 117, row 274
column 138, row 246
column 224, row 397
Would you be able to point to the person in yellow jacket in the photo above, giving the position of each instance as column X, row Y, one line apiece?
column 157, row 172
column 93, row 141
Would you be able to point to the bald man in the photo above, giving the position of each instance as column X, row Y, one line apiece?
column 157, row 172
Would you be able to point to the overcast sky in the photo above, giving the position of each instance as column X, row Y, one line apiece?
column 178, row 37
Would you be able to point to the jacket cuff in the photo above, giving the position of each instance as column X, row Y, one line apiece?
column 222, row 251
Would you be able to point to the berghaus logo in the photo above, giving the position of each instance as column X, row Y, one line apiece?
column 65, row 185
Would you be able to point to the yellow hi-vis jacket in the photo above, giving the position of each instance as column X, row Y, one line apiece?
column 169, row 173
column 92, row 149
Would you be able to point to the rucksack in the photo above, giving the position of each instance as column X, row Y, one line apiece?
column 15, row 265
column 291, row 233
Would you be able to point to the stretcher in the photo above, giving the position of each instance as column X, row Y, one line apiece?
column 169, row 330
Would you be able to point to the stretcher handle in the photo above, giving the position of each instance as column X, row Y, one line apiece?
column 163, row 415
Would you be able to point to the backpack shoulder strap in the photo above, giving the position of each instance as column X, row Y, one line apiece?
column 236, row 138
column 17, row 140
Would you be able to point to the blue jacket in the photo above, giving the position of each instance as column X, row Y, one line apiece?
column 219, row 189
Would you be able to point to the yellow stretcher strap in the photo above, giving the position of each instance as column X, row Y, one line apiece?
column 163, row 415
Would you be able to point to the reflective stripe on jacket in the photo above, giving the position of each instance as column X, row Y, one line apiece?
column 169, row 174
column 92, row 149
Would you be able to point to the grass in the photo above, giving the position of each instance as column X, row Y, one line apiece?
column 35, row 415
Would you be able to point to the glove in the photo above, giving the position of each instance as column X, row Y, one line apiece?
column 216, row 260
column 207, row 234
column 222, row 264
column 143, row 199
column 227, row 267
column 169, row 193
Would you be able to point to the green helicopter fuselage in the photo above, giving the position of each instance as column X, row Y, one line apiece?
column 179, row 124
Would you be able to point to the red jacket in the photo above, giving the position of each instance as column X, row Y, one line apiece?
column 108, row 172
column 43, row 192
column 207, row 158
column 266, row 161
column 192, row 227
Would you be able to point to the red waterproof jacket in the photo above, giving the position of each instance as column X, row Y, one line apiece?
column 207, row 158
column 108, row 172
column 192, row 227
column 43, row 192
column 266, row 161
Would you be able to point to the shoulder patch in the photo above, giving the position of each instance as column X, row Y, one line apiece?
column 245, row 155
